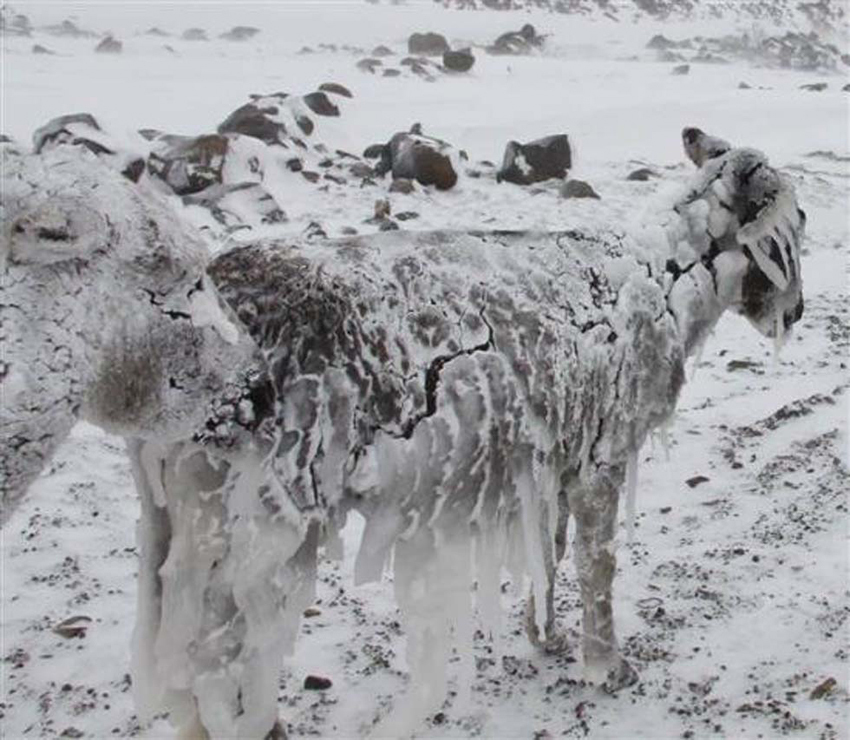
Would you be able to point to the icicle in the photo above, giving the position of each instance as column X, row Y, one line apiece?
column 631, row 493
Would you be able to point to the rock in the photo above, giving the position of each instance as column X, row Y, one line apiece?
column 243, row 205
column 240, row 33
column 823, row 689
column 294, row 164
column 696, row 481
column 70, row 29
column 578, row 189
column 641, row 175
column 682, row 69
column 381, row 209
column 413, row 156
column 744, row 86
column 458, row 61
column 846, row 88
column 336, row 89
column 670, row 57
column 154, row 31
column 109, row 45
column 72, row 732
column 662, row 43
column 348, row 231
column 391, row 73
column 320, row 104
column 381, row 51
column 310, row 176
column 18, row 25
column 402, row 185
column 427, row 44
column 39, row 49
column 407, row 215
column 536, row 161
column 374, row 151
column 82, row 129
column 360, row 169
column 388, row 225
column 255, row 121
column 814, row 87
column 188, row 164
column 73, row 627
column 700, row 147
column 305, row 124
column 312, row 611
column 523, row 41
column 369, row 65
column 194, row 34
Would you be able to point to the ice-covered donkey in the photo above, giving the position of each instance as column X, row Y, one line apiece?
column 465, row 392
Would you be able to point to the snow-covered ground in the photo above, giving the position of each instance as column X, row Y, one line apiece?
column 733, row 601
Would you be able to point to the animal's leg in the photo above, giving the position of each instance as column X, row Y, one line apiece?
column 554, row 639
column 595, row 510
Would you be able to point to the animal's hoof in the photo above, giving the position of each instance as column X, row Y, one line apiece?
column 621, row 676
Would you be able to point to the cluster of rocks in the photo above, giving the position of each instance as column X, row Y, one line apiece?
column 422, row 49
column 513, row 43
column 792, row 50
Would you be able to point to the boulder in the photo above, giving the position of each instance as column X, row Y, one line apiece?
column 188, row 164
column 578, row 189
column 336, row 89
column 641, row 175
column 427, row 44
column 240, row 33
column 381, row 51
column 39, row 49
column 256, row 121
column 320, row 104
column 109, row 45
column 536, row 161
column 681, row 69
column 82, row 129
column 194, row 34
column 458, row 61
column 514, row 43
column 413, row 156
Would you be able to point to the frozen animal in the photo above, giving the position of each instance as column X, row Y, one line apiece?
column 465, row 392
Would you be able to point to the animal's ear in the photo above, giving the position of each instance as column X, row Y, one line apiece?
column 55, row 230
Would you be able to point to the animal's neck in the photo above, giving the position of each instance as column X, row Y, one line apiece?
column 702, row 292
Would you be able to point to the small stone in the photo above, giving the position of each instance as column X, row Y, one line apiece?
column 391, row 72
column 369, row 65
column 744, row 86
column 312, row 611
column 348, row 231
column 361, row 169
column 381, row 51
column 336, row 89
column 578, row 189
column 666, row 509
column 407, row 215
column 814, row 87
column 294, row 164
column 71, row 732
column 681, row 69
column 310, row 176
column 388, row 225
column 195, row 34
column 823, row 689
column 696, row 481
column 402, row 185
column 641, row 175
column 317, row 683
column 39, row 49
column 73, row 627
column 109, row 45
column 461, row 60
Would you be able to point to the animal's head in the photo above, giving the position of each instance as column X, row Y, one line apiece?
column 106, row 312
column 745, row 225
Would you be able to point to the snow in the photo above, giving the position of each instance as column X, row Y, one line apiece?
column 750, row 567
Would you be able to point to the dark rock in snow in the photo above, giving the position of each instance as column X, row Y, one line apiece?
column 361, row 169
column 154, row 31
column 641, row 175
column 310, row 176
column 458, row 61
column 317, row 683
column 39, row 49
column 407, row 215
column 381, row 51
column 744, row 86
column 578, row 189
column 696, row 480
column 18, row 25
column 336, row 89
column 255, row 121
column 194, row 34
column 846, row 88
column 523, row 41
column 70, row 29
column 320, row 104
column 413, row 156
column 661, row 43
column 369, row 65
column 391, row 73
column 374, row 151
column 109, row 45
column 427, row 44
column 814, row 86
column 682, row 69
column 240, row 33
column 536, row 161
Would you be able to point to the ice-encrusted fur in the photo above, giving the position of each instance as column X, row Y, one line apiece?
column 465, row 392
